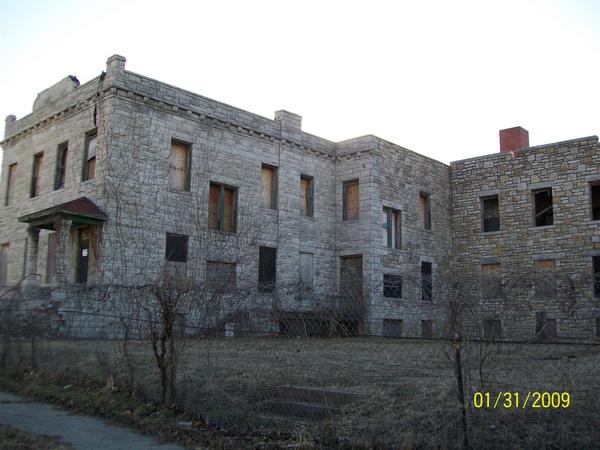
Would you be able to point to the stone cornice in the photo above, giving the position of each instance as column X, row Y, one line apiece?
column 183, row 112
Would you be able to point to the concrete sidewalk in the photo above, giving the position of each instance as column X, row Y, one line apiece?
column 82, row 432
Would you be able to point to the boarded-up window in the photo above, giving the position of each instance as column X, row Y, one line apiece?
column 595, row 199
column 351, row 286
column 10, row 184
column 306, row 273
column 51, row 259
column 269, row 186
column 544, row 327
column 542, row 207
column 179, row 166
column 4, row 264
column 596, row 275
column 425, row 210
column 426, row 281
column 492, row 329
column 545, row 279
column 427, row 328
column 221, row 276
column 89, row 160
column 490, row 214
column 306, row 196
column 61, row 166
column 222, row 208
column 392, row 236
column 350, row 209
column 392, row 286
column 491, row 281
column 176, row 248
column 392, row 327
column 36, row 174
column 267, row 269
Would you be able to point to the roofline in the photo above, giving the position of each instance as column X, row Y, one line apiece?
column 525, row 149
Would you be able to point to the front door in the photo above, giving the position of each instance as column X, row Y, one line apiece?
column 83, row 255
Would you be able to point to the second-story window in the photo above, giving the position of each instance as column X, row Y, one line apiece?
column 595, row 199
column 543, row 213
column 61, row 166
column 425, row 210
column 10, row 184
column 222, row 208
column 89, row 159
column 179, row 166
column 350, row 208
column 269, row 186
column 306, row 196
column 36, row 174
column 392, row 228
column 490, row 215
column 545, row 279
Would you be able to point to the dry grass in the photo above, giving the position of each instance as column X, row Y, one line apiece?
column 13, row 439
column 408, row 385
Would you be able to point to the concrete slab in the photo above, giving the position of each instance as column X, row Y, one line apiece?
column 82, row 432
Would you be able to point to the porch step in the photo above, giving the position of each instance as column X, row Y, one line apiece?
column 330, row 397
column 296, row 410
column 301, row 404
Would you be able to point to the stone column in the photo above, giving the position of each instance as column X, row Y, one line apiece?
column 32, row 277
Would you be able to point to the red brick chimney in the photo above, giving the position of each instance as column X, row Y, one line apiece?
column 513, row 139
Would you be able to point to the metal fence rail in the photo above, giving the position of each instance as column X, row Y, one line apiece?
column 335, row 387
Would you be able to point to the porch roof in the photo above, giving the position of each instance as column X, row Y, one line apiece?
column 81, row 211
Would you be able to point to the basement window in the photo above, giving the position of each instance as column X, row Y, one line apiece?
column 392, row 235
column 426, row 282
column 392, row 327
column 350, row 208
column 10, row 184
column 89, row 159
column 544, row 327
column 306, row 196
column 222, row 208
column 179, row 166
column 267, row 269
column 177, row 248
column 392, row 286
column 36, row 174
column 595, row 199
column 269, row 186
column 545, row 279
column 492, row 329
column 490, row 216
column 61, row 166
column 221, row 276
column 427, row 328
column 596, row 272
column 543, row 209
column 425, row 210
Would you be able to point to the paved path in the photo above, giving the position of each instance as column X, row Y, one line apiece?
column 82, row 432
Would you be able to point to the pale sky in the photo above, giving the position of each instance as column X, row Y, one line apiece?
column 438, row 77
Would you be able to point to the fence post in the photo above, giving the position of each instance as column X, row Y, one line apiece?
column 461, row 389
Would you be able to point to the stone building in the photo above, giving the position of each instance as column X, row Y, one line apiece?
column 125, row 178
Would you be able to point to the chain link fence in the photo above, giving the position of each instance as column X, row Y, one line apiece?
column 321, row 378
